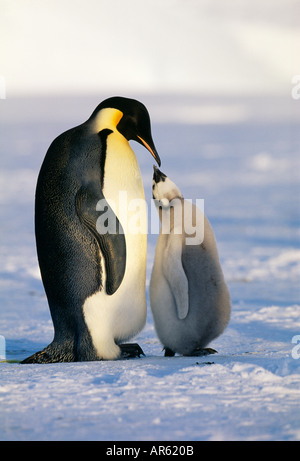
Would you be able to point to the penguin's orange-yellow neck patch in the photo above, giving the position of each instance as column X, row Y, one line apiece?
column 108, row 118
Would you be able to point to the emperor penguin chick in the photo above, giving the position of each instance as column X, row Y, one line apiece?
column 189, row 298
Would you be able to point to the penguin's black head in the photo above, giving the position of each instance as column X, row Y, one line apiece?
column 158, row 175
column 163, row 189
column 135, row 122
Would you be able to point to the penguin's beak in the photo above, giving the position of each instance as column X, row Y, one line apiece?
column 151, row 149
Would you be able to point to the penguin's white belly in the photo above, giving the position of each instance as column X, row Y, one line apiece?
column 116, row 318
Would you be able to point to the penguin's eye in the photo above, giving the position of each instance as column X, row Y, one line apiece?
column 153, row 186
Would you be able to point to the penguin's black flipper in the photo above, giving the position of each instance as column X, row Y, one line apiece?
column 96, row 214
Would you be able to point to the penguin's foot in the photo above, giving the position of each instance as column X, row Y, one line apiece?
column 38, row 357
column 169, row 352
column 130, row 350
column 51, row 354
column 198, row 352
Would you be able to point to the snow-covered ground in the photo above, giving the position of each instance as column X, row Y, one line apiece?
column 242, row 157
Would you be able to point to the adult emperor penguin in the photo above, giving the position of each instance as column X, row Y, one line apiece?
column 94, row 278
column 189, row 298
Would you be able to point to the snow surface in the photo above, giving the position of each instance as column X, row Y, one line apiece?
column 243, row 159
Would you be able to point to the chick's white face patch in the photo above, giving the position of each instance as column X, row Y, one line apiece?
column 165, row 190
column 178, row 215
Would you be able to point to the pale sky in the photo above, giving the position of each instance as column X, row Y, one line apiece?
column 184, row 46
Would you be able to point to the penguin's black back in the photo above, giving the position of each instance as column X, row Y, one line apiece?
column 68, row 253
